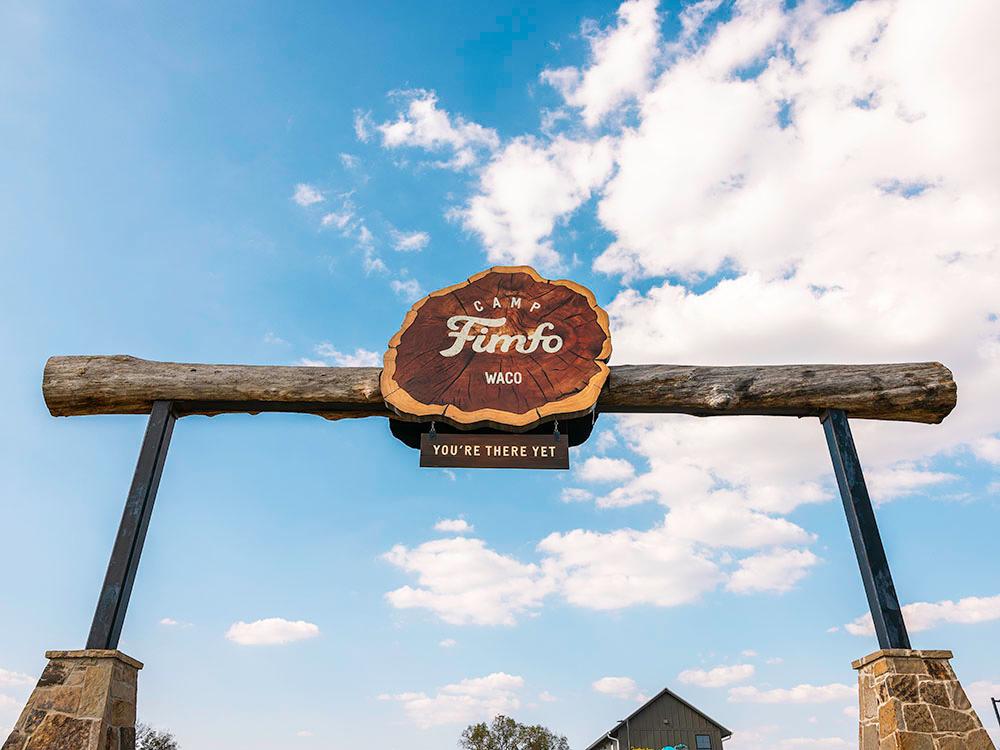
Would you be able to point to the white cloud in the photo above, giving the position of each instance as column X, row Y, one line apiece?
column 305, row 733
column 619, row 687
column 777, row 203
column 270, row 632
column 306, row 195
column 621, row 61
column 15, row 679
column 448, row 643
column 338, row 219
column 465, row 702
column 454, row 526
column 425, row 126
column 332, row 356
column 407, row 242
column 921, row 616
column 170, row 622
column 720, row 676
column 795, row 695
column 274, row 339
column 464, row 582
column 575, row 495
column 526, row 189
column 902, row 479
column 350, row 161
column 606, row 440
column 624, row 568
column 363, row 125
column 988, row 449
column 546, row 697
column 778, row 570
column 409, row 289
column 601, row 469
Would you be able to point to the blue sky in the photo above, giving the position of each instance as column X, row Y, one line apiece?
column 740, row 183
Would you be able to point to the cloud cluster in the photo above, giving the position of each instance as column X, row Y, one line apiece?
column 807, row 183
column 465, row 702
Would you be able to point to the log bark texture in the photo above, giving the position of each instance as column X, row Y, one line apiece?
column 915, row 392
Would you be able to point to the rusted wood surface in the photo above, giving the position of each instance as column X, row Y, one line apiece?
column 918, row 392
column 507, row 348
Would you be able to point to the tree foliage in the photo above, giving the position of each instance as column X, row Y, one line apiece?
column 506, row 734
column 147, row 738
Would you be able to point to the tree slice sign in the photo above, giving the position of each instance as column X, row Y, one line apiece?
column 506, row 349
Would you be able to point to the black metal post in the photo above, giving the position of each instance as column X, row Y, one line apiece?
column 113, row 602
column 996, row 708
column 882, row 599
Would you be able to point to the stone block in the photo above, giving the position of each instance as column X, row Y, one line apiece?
column 53, row 674
column 914, row 741
column 890, row 718
column 940, row 670
column 918, row 718
column 950, row 720
column 96, row 690
column 951, row 742
column 122, row 713
column 126, row 738
column 869, row 739
column 978, row 740
column 59, row 698
column 957, row 695
column 61, row 732
column 935, row 693
column 907, row 665
column 902, row 686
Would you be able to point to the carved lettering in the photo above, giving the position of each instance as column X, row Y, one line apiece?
column 466, row 328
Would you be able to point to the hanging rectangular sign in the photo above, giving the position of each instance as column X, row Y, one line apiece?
column 472, row 451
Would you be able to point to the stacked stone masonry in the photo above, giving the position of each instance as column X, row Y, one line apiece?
column 912, row 700
column 84, row 700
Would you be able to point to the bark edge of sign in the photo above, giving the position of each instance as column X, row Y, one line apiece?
column 923, row 392
column 577, row 404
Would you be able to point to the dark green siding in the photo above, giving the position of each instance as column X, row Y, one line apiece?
column 665, row 721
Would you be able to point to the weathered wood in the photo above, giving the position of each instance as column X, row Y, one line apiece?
column 918, row 392
column 910, row 392
column 547, row 340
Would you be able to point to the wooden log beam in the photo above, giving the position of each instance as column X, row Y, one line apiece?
column 916, row 392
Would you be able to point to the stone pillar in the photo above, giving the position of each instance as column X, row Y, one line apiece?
column 84, row 700
column 912, row 700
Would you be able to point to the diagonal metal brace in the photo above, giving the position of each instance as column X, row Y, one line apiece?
column 882, row 600
column 113, row 602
